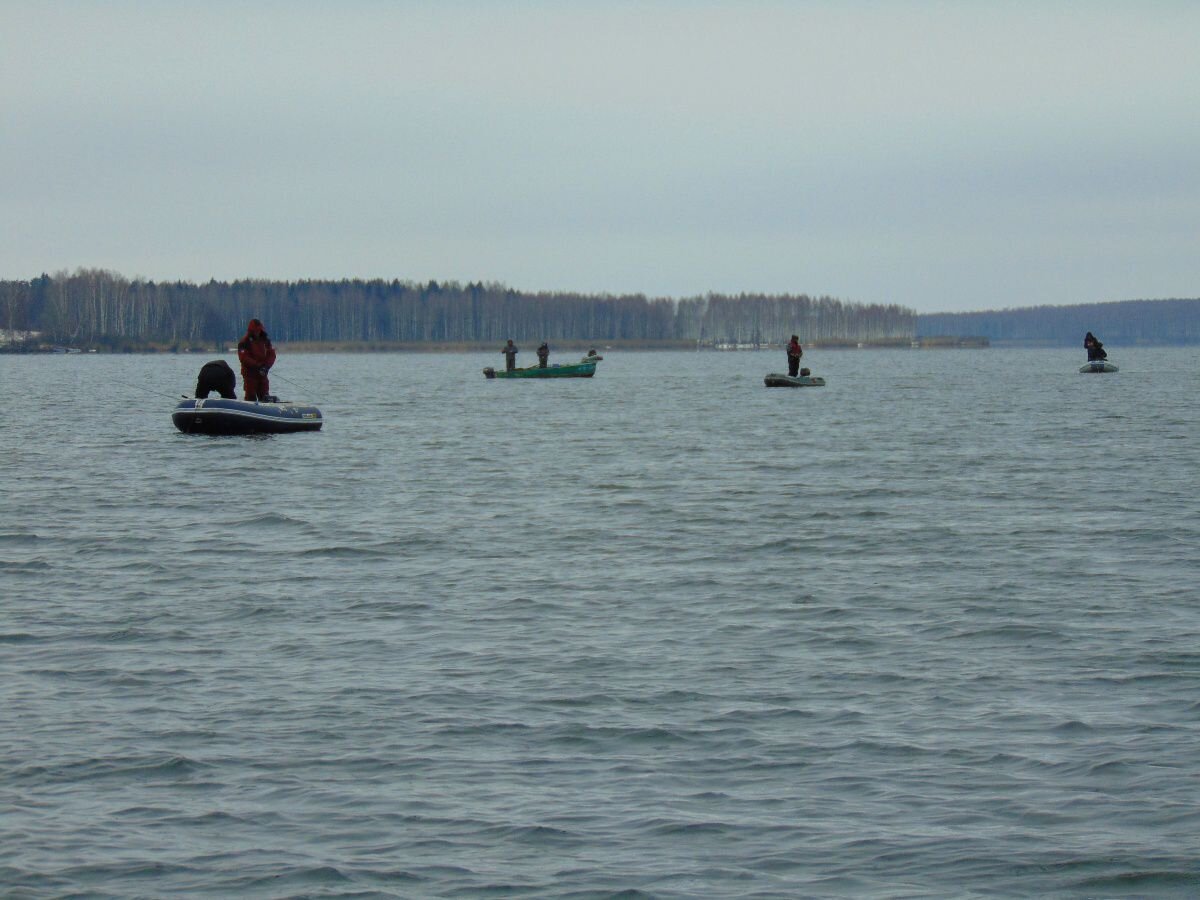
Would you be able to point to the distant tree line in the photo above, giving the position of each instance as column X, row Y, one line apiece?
column 1121, row 322
column 98, row 307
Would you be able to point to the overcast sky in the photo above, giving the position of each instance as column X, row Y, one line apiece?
column 945, row 156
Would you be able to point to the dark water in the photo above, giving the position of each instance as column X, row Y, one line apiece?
column 930, row 631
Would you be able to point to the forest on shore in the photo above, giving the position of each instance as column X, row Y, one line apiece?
column 100, row 309
column 1118, row 323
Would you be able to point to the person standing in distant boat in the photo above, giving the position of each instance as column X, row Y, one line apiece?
column 1095, row 349
column 256, row 355
column 543, row 353
column 216, row 376
column 510, row 352
column 794, row 352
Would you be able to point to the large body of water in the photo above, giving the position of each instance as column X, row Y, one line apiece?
column 930, row 631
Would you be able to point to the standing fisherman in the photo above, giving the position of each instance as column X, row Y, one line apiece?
column 257, row 356
column 794, row 352
column 543, row 353
column 510, row 352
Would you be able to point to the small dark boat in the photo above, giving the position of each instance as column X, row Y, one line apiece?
column 777, row 380
column 1098, row 365
column 220, row 416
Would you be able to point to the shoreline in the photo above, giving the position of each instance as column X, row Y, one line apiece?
column 564, row 346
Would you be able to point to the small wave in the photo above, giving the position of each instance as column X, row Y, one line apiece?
column 143, row 870
column 885, row 749
column 1024, row 632
column 35, row 565
column 583, row 700
column 687, row 828
column 1178, row 659
column 142, row 811
column 1148, row 882
column 1162, row 678
column 760, row 716
column 21, row 538
column 1111, row 767
column 483, row 728
column 269, row 519
column 213, row 817
column 592, row 894
column 667, row 699
column 539, row 835
column 631, row 736
column 20, row 637
column 529, row 603
column 132, row 634
column 105, row 769
column 346, row 552
column 299, row 876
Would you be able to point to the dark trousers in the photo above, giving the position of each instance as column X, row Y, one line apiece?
column 257, row 385
column 510, row 361
column 793, row 366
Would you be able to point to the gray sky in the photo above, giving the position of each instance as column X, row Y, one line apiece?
column 946, row 156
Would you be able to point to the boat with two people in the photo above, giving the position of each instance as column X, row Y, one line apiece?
column 568, row 370
column 219, row 415
column 585, row 368
column 259, row 413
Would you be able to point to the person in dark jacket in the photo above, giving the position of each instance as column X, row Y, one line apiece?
column 543, row 353
column 510, row 352
column 257, row 355
column 216, row 376
column 794, row 352
column 1095, row 349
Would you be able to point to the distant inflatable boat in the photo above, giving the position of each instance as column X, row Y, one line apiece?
column 1098, row 365
column 220, row 416
column 777, row 380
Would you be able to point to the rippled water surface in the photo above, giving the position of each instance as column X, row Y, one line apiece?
column 931, row 630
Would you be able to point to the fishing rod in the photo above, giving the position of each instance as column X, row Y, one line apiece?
column 160, row 393
column 274, row 374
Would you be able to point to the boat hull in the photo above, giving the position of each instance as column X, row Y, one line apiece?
column 220, row 416
column 574, row 370
column 777, row 380
column 1097, row 366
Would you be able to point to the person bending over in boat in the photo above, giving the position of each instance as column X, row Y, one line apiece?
column 510, row 352
column 216, row 376
column 1095, row 349
column 257, row 356
column 543, row 353
column 794, row 352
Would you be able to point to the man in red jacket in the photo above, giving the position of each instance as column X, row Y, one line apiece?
column 794, row 352
column 257, row 356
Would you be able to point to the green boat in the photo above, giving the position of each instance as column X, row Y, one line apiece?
column 777, row 380
column 571, row 370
